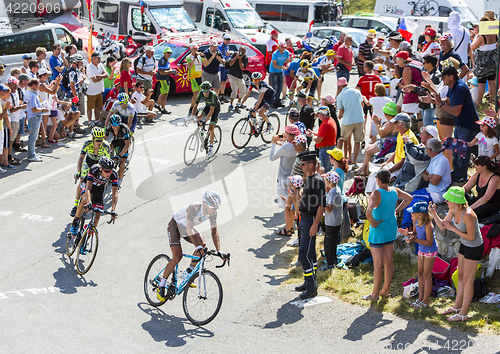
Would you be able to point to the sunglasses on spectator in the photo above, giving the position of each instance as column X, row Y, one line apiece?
column 140, row 86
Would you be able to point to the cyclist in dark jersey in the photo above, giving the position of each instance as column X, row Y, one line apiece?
column 93, row 191
column 120, row 143
column 182, row 225
column 211, row 110
column 92, row 150
column 265, row 100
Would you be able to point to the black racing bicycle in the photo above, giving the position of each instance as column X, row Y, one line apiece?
column 250, row 126
column 86, row 242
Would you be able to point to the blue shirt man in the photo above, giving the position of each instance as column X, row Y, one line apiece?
column 278, row 60
column 57, row 62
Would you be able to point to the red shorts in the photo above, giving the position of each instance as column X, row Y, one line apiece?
column 289, row 80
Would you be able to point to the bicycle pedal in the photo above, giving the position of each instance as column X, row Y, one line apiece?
column 193, row 285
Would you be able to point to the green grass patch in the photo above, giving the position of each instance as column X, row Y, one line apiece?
column 361, row 6
column 351, row 284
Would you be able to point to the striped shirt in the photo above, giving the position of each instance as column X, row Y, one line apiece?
column 146, row 64
column 366, row 51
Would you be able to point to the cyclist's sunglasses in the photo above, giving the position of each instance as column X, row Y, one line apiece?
column 255, row 79
column 107, row 171
column 205, row 90
column 98, row 140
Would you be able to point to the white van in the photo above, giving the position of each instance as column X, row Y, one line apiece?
column 480, row 6
column 234, row 16
column 14, row 45
column 398, row 8
column 160, row 18
column 291, row 16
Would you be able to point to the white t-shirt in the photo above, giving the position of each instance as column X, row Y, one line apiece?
column 432, row 49
column 394, row 88
column 485, row 145
column 14, row 101
column 378, row 103
column 139, row 97
column 95, row 88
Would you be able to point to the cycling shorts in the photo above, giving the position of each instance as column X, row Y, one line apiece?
column 215, row 115
column 266, row 102
column 196, row 84
column 96, row 195
column 118, row 146
column 313, row 88
column 176, row 231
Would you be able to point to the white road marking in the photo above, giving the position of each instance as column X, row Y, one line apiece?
column 35, row 181
column 34, row 291
column 311, row 302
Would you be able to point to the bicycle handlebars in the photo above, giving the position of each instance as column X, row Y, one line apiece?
column 224, row 256
column 102, row 211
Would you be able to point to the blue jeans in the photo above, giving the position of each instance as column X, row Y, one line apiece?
column 34, row 124
column 428, row 116
column 460, row 165
column 277, row 85
column 324, row 159
column 343, row 73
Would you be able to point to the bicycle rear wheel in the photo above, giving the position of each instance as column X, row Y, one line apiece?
column 152, row 278
column 431, row 8
column 130, row 151
column 241, row 134
column 73, row 241
column 191, row 149
column 202, row 303
column 87, row 250
column 267, row 135
column 217, row 140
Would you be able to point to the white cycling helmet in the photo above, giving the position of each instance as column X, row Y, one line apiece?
column 212, row 199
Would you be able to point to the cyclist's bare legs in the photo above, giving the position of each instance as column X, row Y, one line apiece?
column 176, row 258
column 196, row 240
column 211, row 129
column 262, row 113
column 121, row 171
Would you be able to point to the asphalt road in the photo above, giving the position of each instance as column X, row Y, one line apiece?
column 46, row 307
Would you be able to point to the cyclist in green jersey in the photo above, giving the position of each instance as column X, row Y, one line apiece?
column 211, row 110
column 90, row 154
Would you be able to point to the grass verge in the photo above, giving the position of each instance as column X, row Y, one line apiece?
column 349, row 285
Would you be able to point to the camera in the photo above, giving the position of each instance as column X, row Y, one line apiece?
column 218, row 53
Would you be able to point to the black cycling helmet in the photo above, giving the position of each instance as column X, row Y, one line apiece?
column 206, row 85
column 256, row 75
column 106, row 163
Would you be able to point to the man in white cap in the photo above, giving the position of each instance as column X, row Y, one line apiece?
column 226, row 54
column 326, row 137
column 211, row 61
column 146, row 68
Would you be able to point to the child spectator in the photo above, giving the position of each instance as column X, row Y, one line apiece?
column 427, row 250
column 143, row 103
column 33, row 66
column 292, row 201
column 340, row 166
column 378, row 103
column 5, row 128
column 486, row 139
column 333, row 219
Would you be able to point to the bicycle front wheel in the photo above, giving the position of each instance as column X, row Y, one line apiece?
column 241, row 134
column 202, row 303
column 153, row 277
column 87, row 250
column 217, row 140
column 267, row 135
column 191, row 149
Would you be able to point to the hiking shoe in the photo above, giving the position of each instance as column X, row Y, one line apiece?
column 160, row 294
column 326, row 267
column 74, row 230
column 72, row 213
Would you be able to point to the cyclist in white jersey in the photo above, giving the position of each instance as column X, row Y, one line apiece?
column 183, row 224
